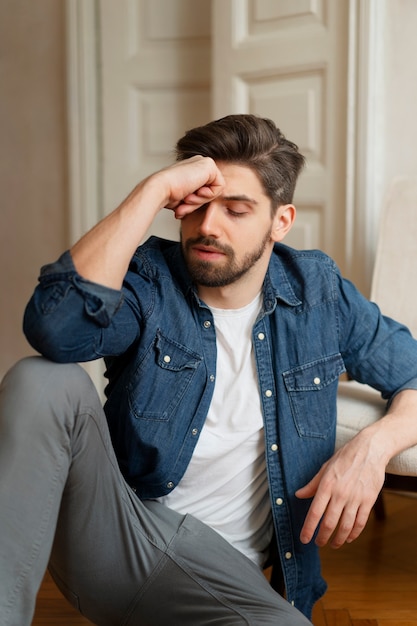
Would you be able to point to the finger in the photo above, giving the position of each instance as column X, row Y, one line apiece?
column 360, row 523
column 352, row 520
column 344, row 529
column 188, row 205
column 309, row 490
column 337, row 522
column 191, row 202
column 200, row 196
column 191, row 181
column 314, row 515
column 195, row 200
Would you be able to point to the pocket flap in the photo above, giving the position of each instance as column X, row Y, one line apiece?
column 174, row 356
column 315, row 375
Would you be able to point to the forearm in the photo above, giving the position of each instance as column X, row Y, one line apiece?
column 397, row 430
column 103, row 254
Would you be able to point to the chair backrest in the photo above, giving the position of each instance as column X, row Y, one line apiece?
column 394, row 280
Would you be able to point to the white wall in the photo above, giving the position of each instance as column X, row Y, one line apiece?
column 33, row 165
column 400, row 95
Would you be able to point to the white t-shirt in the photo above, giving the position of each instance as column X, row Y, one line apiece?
column 225, row 484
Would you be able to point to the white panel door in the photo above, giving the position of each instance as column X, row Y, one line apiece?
column 287, row 60
column 155, row 84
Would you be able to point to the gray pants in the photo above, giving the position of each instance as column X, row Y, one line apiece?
column 118, row 560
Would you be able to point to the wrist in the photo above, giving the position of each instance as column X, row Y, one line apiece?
column 380, row 440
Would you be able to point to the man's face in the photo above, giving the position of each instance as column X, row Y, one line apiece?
column 231, row 235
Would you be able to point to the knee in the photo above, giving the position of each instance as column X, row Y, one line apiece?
column 37, row 382
column 35, row 372
column 297, row 619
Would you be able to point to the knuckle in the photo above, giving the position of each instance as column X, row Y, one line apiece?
column 345, row 528
column 327, row 525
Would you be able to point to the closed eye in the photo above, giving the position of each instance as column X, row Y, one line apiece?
column 237, row 213
column 239, row 205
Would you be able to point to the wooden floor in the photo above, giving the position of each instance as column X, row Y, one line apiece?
column 372, row 582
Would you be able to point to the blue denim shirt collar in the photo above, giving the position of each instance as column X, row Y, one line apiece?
column 277, row 284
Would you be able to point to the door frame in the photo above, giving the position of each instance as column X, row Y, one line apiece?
column 83, row 118
column 365, row 153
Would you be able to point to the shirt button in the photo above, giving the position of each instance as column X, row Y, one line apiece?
column 212, row 378
column 261, row 336
column 279, row 501
column 194, row 431
column 207, row 324
column 170, row 484
column 274, row 447
column 167, row 358
column 268, row 393
column 317, row 380
column 288, row 555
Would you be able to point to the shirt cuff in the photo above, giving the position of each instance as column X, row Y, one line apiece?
column 101, row 302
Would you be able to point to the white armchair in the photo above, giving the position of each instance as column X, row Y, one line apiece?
column 394, row 289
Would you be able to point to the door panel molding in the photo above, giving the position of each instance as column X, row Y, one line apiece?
column 83, row 116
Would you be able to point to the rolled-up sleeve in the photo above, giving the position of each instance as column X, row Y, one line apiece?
column 69, row 318
column 377, row 350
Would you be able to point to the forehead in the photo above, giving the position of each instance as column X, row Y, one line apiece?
column 241, row 179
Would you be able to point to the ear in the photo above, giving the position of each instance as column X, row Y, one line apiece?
column 283, row 221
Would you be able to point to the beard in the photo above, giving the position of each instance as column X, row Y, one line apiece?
column 208, row 274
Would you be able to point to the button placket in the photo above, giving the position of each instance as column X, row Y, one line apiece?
column 282, row 521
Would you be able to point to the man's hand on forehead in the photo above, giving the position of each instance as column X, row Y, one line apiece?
column 192, row 183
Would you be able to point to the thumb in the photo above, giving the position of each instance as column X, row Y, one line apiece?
column 309, row 490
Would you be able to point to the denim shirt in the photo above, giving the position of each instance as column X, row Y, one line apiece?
column 159, row 344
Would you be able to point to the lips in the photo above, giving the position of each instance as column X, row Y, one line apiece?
column 207, row 252
column 206, row 249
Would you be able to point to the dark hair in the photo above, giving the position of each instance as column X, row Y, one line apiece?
column 252, row 141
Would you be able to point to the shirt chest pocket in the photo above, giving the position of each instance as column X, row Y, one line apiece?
column 312, row 391
column 161, row 380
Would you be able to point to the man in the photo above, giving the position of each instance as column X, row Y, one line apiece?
column 223, row 356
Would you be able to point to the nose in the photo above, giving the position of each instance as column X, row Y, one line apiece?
column 210, row 225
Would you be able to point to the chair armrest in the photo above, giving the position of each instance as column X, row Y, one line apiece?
column 358, row 406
